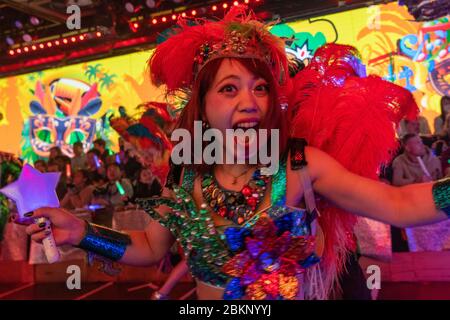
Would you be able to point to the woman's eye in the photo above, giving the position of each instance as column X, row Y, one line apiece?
column 228, row 88
column 262, row 88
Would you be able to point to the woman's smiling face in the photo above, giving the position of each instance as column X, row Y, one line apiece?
column 236, row 98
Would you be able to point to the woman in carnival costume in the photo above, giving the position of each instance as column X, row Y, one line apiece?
column 244, row 233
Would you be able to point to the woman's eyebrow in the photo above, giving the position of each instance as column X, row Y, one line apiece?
column 231, row 76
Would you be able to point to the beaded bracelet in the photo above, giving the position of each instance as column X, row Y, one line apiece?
column 441, row 195
column 105, row 242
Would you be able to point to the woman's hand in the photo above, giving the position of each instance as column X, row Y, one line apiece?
column 67, row 228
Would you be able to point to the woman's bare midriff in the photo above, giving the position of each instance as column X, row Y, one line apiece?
column 208, row 292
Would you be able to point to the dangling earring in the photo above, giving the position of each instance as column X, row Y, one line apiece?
column 283, row 102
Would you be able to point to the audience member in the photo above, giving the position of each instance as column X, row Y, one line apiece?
column 78, row 162
column 118, row 190
column 439, row 121
column 40, row 165
column 54, row 152
column 79, row 193
column 100, row 145
column 61, row 188
column 147, row 185
column 419, row 126
column 407, row 167
column 94, row 163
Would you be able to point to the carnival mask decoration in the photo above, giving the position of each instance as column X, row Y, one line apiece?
column 62, row 112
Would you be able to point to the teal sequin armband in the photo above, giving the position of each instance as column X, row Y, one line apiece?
column 105, row 242
column 441, row 195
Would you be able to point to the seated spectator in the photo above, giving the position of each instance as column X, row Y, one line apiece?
column 439, row 147
column 147, row 185
column 63, row 162
column 40, row 165
column 100, row 145
column 61, row 188
column 54, row 152
column 79, row 193
column 78, row 162
column 439, row 121
column 115, row 186
column 94, row 164
column 419, row 126
column 111, row 159
column 407, row 168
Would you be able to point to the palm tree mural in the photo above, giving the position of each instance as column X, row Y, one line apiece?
column 107, row 80
column 34, row 76
column 93, row 71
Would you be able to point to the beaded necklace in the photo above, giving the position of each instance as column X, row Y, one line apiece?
column 236, row 206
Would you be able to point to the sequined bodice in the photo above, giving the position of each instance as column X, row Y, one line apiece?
column 216, row 255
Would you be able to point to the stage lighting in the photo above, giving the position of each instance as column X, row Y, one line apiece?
column 129, row 7
column 18, row 24
column 34, row 21
column 9, row 41
column 150, row 3
column 26, row 37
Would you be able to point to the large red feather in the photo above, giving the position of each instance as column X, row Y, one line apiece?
column 352, row 119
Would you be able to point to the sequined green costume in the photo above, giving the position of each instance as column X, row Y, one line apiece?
column 209, row 249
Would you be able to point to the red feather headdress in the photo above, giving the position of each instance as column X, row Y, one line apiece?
column 176, row 62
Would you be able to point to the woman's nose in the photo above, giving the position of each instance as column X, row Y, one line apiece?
column 247, row 101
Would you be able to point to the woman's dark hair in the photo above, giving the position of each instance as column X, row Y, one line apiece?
column 443, row 112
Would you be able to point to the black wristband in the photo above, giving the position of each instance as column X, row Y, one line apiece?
column 441, row 195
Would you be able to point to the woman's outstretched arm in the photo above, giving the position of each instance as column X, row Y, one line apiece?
column 406, row 206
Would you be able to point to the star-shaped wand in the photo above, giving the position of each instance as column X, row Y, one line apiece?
column 34, row 190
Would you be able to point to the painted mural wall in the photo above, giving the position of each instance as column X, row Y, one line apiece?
column 64, row 105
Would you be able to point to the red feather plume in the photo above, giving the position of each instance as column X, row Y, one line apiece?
column 352, row 119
